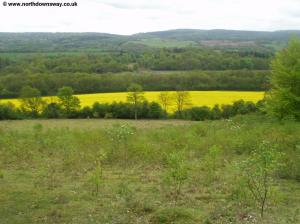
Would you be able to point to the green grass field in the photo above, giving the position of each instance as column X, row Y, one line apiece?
column 197, row 98
column 114, row 171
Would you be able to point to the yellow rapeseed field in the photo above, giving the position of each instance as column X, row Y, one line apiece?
column 197, row 98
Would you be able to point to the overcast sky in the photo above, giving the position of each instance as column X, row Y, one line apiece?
column 134, row 16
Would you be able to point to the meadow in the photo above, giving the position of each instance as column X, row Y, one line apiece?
column 236, row 164
column 197, row 98
column 121, row 171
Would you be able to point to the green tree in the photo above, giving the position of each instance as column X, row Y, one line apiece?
column 284, row 97
column 182, row 99
column 155, row 111
column 135, row 97
column 31, row 101
column 165, row 99
column 69, row 103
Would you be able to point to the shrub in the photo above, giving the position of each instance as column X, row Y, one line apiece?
column 211, row 161
column 216, row 113
column 176, row 173
column 108, row 116
column 99, row 110
column 97, row 174
column 9, row 112
column 257, row 172
column 52, row 110
column 242, row 107
column 155, row 111
column 127, row 111
column 200, row 113
column 119, row 136
column 227, row 111
column 86, row 112
column 122, row 110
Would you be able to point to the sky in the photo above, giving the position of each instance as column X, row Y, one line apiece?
column 135, row 16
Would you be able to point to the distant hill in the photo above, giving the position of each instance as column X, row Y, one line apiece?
column 101, row 42
column 56, row 42
column 197, row 35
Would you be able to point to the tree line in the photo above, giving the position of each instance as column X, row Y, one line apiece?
column 164, row 59
column 189, row 69
column 12, row 84
column 66, row 105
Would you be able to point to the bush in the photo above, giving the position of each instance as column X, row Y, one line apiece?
column 200, row 113
column 108, row 116
column 242, row 107
column 194, row 114
column 126, row 111
column 121, row 110
column 258, row 170
column 9, row 112
column 227, row 111
column 52, row 110
column 86, row 112
column 99, row 110
column 211, row 161
column 120, row 136
column 216, row 113
column 155, row 111
column 176, row 174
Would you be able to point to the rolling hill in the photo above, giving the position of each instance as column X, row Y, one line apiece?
column 101, row 42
